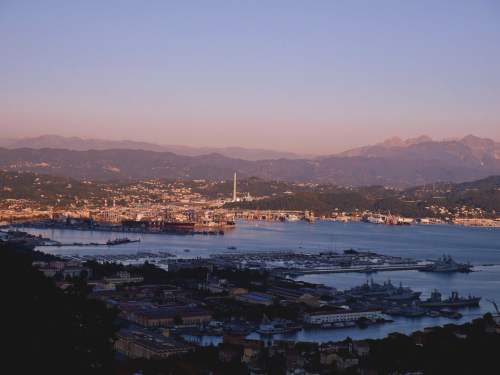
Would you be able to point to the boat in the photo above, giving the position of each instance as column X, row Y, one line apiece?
column 373, row 289
column 187, row 250
column 231, row 247
column 376, row 219
column 221, row 232
column 447, row 264
column 278, row 325
column 401, row 293
column 453, row 300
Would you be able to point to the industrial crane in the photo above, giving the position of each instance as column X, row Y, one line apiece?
column 497, row 318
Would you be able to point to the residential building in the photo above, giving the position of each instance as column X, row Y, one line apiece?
column 75, row 271
column 327, row 357
column 345, row 360
column 124, row 277
column 360, row 347
column 227, row 354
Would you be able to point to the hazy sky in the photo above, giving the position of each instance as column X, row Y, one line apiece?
column 305, row 76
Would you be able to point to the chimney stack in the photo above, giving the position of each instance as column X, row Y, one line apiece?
column 234, row 193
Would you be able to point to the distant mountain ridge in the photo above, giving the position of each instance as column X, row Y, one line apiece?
column 396, row 171
column 478, row 145
column 86, row 144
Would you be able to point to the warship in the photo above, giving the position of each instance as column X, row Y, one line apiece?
column 447, row 264
column 385, row 291
column 453, row 300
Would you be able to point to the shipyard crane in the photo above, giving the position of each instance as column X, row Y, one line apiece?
column 494, row 304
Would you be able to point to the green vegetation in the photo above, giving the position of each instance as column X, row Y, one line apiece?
column 350, row 202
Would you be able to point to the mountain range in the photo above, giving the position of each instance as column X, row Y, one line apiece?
column 86, row 144
column 394, row 163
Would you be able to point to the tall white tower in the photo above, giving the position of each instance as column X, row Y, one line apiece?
column 234, row 193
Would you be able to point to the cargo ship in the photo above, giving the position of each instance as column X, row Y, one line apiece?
column 158, row 224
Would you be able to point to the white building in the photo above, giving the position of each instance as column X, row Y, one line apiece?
column 321, row 317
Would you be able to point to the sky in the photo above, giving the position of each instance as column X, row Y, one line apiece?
column 314, row 77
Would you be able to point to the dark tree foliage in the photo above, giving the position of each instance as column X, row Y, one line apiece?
column 443, row 353
column 52, row 330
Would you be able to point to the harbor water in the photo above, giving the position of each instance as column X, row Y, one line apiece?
column 479, row 245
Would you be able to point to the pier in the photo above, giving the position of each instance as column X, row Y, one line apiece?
column 297, row 272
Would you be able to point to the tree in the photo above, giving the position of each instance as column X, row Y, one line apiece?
column 178, row 320
column 84, row 274
column 488, row 317
column 54, row 329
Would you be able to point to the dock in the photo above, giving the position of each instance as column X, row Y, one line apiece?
column 297, row 272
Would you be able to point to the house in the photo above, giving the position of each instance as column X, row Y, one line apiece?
column 419, row 337
column 227, row 354
column 294, row 359
column 493, row 328
column 288, row 344
column 360, row 347
column 327, row 357
column 345, row 360
column 250, row 352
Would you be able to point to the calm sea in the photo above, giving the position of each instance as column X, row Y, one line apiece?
column 478, row 245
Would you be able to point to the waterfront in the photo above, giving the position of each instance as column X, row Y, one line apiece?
column 478, row 245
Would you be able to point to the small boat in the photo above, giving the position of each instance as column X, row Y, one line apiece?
column 187, row 250
column 231, row 247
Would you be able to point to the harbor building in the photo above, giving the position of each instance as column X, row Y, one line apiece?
column 137, row 344
column 255, row 300
column 295, row 296
column 321, row 317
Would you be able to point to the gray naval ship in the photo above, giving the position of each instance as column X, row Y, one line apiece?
column 386, row 291
column 447, row 264
column 453, row 300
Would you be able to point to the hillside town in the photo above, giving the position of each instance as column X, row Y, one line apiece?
column 197, row 298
